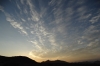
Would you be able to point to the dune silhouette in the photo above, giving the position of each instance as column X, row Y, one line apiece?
column 25, row 61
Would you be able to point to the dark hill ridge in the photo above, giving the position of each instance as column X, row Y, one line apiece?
column 16, row 61
column 25, row 61
column 55, row 61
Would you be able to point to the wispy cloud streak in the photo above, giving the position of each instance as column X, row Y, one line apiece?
column 57, row 28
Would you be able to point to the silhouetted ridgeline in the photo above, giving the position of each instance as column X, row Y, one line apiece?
column 25, row 61
column 16, row 61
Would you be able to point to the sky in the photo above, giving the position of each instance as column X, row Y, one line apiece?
column 67, row 30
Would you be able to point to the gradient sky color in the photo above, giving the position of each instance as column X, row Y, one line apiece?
column 50, row 29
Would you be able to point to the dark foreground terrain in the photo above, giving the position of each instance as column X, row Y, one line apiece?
column 25, row 61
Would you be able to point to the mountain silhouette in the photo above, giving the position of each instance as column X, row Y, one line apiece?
column 25, row 61
column 16, row 61
column 55, row 61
